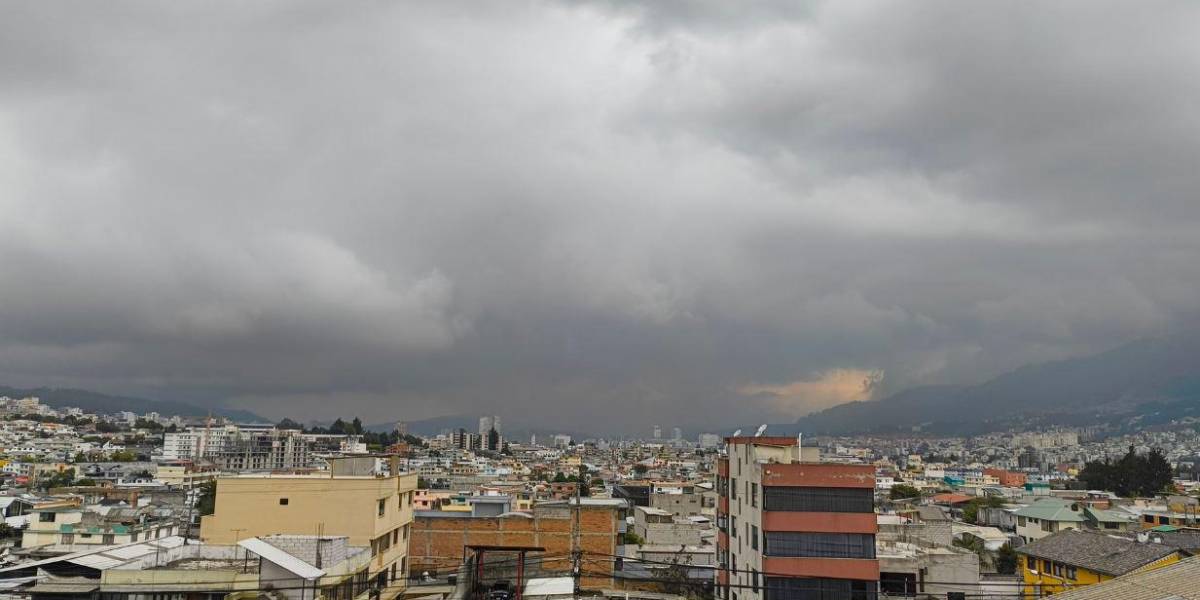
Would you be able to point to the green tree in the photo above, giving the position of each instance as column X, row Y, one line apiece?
column 1006, row 560
column 640, row 469
column 287, row 423
column 903, row 491
column 1132, row 475
column 123, row 456
column 63, row 478
column 971, row 509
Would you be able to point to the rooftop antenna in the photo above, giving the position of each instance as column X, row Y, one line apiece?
column 761, row 429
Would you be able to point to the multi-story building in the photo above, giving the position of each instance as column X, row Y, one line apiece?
column 67, row 527
column 370, row 510
column 1047, row 516
column 240, row 447
column 792, row 527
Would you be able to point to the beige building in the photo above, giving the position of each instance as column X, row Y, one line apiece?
column 66, row 527
column 373, row 511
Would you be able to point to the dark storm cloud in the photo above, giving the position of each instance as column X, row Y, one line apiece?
column 606, row 213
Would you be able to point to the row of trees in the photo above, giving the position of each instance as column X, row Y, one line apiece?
column 354, row 427
column 1133, row 475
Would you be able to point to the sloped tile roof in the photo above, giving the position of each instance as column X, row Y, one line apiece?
column 1096, row 552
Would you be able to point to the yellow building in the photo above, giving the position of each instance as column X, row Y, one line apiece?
column 370, row 510
column 1073, row 558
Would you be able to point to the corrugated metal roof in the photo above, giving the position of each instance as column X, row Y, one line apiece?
column 281, row 558
column 98, row 561
column 133, row 549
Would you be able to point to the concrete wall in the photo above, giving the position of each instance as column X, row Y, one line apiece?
column 680, row 505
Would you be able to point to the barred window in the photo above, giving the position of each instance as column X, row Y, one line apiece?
column 816, row 499
column 819, row 545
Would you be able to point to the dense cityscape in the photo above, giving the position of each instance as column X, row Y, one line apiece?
column 129, row 504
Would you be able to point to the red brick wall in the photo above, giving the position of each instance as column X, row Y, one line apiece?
column 437, row 543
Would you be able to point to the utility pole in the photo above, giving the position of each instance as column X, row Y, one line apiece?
column 191, row 500
column 576, row 534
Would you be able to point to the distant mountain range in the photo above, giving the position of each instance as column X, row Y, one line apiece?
column 105, row 404
column 1141, row 383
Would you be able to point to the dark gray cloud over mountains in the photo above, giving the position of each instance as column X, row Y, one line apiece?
column 607, row 213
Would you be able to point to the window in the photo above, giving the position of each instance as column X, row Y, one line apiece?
column 1047, row 566
column 68, row 538
column 815, row 499
column 819, row 545
column 1072, row 573
column 1020, row 521
column 1164, row 521
column 733, row 526
column 754, row 537
column 817, row 588
column 754, row 580
column 1148, row 518
column 109, row 538
column 396, row 535
column 46, row 517
column 382, row 507
column 283, row 501
column 754, row 494
column 733, row 489
column 1110, row 525
column 1047, row 525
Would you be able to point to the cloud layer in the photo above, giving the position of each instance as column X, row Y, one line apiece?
column 587, row 213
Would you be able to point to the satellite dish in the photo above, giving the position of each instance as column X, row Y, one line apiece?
column 736, row 433
column 761, row 429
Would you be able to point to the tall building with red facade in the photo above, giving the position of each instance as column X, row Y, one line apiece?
column 791, row 527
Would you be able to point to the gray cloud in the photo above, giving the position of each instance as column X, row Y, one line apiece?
column 600, row 213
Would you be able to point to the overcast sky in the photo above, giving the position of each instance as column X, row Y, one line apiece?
column 596, row 215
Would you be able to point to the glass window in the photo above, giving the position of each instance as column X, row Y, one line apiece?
column 819, row 545
column 382, row 507
column 815, row 588
column 815, row 499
